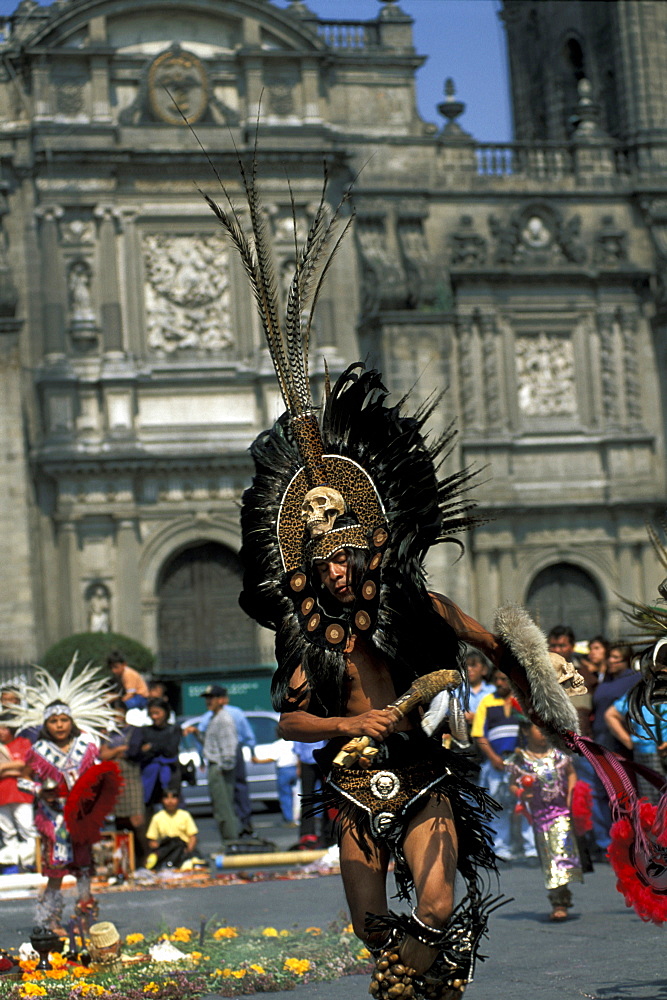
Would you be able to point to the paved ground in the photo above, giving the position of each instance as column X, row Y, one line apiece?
column 604, row 953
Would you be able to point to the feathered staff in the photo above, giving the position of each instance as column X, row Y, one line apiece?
column 288, row 340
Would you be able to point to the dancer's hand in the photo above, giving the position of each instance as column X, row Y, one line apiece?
column 378, row 724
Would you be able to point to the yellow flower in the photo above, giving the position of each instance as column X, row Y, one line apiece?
column 29, row 964
column 151, row 988
column 284, row 933
column 33, row 975
column 258, row 969
column 225, row 932
column 80, row 970
column 181, row 934
column 239, row 973
column 57, row 961
column 364, row 953
column 57, row 973
column 195, row 955
column 92, row 990
column 270, row 932
column 226, row 973
column 134, row 938
column 349, row 929
column 313, row 930
column 296, row 965
column 30, row 990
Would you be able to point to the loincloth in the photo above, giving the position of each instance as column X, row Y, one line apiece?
column 380, row 803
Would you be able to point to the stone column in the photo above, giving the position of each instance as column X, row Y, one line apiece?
column 17, row 604
column 54, row 288
column 131, row 268
column 310, row 87
column 254, row 84
column 110, row 311
column 99, row 74
column 41, row 90
column 127, row 590
column 68, row 597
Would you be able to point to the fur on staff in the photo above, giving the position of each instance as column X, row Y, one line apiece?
column 528, row 651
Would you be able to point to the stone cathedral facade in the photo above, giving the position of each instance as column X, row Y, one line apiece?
column 528, row 278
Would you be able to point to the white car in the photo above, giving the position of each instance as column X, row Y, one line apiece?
column 262, row 781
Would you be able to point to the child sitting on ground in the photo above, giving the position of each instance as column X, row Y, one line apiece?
column 172, row 836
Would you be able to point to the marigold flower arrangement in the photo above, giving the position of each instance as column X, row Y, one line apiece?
column 231, row 961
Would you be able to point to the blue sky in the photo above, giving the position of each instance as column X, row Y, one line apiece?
column 463, row 39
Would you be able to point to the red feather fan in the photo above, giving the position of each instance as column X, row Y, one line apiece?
column 582, row 808
column 641, row 870
column 90, row 800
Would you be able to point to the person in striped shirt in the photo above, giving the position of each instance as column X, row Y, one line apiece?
column 495, row 728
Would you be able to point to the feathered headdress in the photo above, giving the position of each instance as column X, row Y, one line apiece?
column 84, row 697
column 354, row 473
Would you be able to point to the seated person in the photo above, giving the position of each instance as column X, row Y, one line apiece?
column 131, row 686
column 171, row 835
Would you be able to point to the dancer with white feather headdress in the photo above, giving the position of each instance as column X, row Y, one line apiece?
column 74, row 791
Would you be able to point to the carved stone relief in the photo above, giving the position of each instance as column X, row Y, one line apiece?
column 537, row 235
column 69, row 94
column 383, row 281
column 491, row 388
column 468, row 246
column 608, row 382
column 420, row 271
column 178, row 87
column 610, row 244
column 187, row 293
column 182, row 75
column 468, row 332
column 545, row 375
column 628, row 327
column 77, row 232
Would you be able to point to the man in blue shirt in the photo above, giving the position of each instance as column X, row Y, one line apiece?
column 246, row 736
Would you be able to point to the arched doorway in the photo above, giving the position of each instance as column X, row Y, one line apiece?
column 564, row 594
column 201, row 628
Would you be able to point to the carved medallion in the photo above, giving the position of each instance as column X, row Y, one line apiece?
column 178, row 87
column 385, row 785
column 382, row 822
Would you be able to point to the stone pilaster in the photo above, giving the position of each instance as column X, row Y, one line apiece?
column 17, row 609
column 109, row 296
column 54, row 290
column 127, row 598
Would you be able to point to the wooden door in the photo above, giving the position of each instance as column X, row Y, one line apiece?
column 200, row 625
column 564, row 594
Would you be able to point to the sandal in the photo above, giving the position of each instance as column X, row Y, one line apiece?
column 558, row 914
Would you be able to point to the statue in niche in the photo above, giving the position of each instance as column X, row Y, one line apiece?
column 99, row 608
column 79, row 280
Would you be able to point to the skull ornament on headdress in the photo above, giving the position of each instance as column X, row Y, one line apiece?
column 320, row 509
